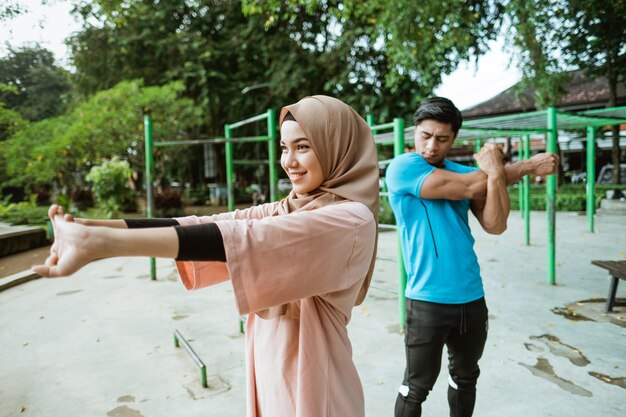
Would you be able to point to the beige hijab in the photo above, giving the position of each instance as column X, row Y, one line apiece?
column 344, row 145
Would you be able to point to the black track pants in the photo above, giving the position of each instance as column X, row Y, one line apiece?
column 430, row 326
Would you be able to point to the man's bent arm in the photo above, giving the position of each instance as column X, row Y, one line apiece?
column 492, row 213
column 442, row 184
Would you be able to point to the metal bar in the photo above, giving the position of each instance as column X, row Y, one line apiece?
column 147, row 129
column 271, row 151
column 248, row 121
column 398, row 149
column 229, row 169
column 250, row 161
column 591, row 177
column 245, row 139
column 551, row 198
column 526, row 182
column 178, row 340
column 390, row 125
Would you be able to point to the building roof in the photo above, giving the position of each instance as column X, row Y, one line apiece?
column 582, row 93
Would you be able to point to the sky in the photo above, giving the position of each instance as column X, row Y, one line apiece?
column 50, row 24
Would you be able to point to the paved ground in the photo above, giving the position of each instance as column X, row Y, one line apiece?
column 100, row 343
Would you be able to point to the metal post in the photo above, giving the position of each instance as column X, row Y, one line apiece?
column 526, row 187
column 591, row 177
column 551, row 198
column 147, row 129
column 229, row 168
column 398, row 149
column 521, row 156
column 477, row 144
column 271, row 150
column 370, row 122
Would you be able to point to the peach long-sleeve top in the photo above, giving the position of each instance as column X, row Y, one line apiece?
column 313, row 262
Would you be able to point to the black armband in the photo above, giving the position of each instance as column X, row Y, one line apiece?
column 201, row 242
column 144, row 223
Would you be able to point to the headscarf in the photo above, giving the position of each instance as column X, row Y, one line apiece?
column 344, row 145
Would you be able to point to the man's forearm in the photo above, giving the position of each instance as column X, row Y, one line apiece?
column 515, row 171
column 497, row 206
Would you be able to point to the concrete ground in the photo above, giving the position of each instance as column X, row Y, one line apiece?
column 100, row 343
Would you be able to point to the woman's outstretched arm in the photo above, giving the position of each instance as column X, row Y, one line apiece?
column 76, row 245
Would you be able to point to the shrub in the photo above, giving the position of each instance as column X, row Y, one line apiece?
column 26, row 212
column 110, row 185
column 571, row 197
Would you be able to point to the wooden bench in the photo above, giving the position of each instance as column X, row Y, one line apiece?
column 617, row 270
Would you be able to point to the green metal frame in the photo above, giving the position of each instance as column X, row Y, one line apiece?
column 270, row 138
column 396, row 138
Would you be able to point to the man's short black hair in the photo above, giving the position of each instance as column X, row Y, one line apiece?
column 440, row 109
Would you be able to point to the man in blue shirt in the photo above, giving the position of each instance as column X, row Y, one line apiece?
column 430, row 197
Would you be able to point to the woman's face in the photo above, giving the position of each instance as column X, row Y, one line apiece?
column 298, row 159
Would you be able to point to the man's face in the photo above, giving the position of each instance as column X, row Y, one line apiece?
column 433, row 140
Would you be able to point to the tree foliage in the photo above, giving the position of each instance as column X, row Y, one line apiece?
column 551, row 36
column 40, row 87
column 62, row 150
column 419, row 42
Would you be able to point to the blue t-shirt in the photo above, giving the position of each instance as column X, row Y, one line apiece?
column 437, row 244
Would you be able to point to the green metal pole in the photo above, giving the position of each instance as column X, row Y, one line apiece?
column 398, row 149
column 370, row 121
column 271, row 151
column 229, row 168
column 477, row 144
column 591, row 176
column 526, row 187
column 521, row 156
column 147, row 129
column 551, row 199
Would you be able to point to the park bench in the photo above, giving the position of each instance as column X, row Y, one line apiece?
column 617, row 270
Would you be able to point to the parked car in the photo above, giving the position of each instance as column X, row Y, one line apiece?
column 606, row 174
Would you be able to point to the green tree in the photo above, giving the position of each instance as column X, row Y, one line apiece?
column 594, row 38
column 537, row 49
column 550, row 37
column 420, row 41
column 10, row 8
column 40, row 86
column 62, row 150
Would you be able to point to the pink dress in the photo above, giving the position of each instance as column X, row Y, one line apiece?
column 300, row 363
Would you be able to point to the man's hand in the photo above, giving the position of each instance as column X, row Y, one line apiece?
column 544, row 164
column 67, row 253
column 490, row 159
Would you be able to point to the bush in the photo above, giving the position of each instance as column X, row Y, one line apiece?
column 26, row 212
column 571, row 197
column 110, row 186
column 168, row 203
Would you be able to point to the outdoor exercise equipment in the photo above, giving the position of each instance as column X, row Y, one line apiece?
column 178, row 340
column 228, row 140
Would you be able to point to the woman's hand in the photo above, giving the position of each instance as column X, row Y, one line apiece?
column 69, row 252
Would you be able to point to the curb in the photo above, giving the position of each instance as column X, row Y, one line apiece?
column 17, row 279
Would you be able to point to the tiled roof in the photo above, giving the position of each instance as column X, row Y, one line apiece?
column 582, row 93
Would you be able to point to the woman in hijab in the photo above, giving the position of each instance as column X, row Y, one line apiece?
column 297, row 266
